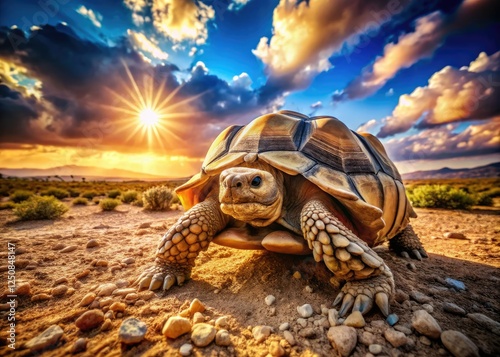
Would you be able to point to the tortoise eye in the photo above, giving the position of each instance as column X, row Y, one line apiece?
column 256, row 181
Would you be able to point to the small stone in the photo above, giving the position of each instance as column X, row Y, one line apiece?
column 428, row 307
column 453, row 309
column 392, row 319
column 222, row 338
column 40, row 297
column 92, row 243
column 87, row 299
column 270, row 299
column 107, row 325
column 395, row 338
column 48, row 338
column 69, row 249
column 144, row 225
column 80, row 345
column 131, row 298
column 375, row 349
column 308, row 289
column 343, row 339
column 106, row 289
column 455, row 284
column 454, row 235
column 83, row 274
column 132, row 331
column 305, row 310
column 89, row 320
column 485, row 322
column 333, row 316
column 198, row 317
column 129, row 260
column 458, row 344
column 419, row 297
column 260, row 333
column 411, row 266
column 23, row 289
column 367, row 338
column 196, row 306
column 59, row 290
column 401, row 296
column 176, row 326
column 275, row 349
column 61, row 281
column 297, row 275
column 302, row 322
column 308, row 332
column 425, row 340
column 186, row 349
column 221, row 322
column 109, row 315
column 102, row 263
column 403, row 329
column 425, row 324
column 284, row 326
column 355, row 319
column 124, row 292
column 203, row 334
column 289, row 337
column 118, row 306
column 58, row 246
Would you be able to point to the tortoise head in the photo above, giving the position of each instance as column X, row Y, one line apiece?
column 252, row 194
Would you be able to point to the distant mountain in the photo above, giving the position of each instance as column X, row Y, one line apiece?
column 90, row 173
column 491, row 170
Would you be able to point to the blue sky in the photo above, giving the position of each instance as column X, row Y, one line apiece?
column 423, row 76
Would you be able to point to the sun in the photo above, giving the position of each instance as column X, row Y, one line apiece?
column 148, row 117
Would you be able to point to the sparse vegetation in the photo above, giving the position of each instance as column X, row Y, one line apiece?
column 108, row 204
column 158, row 198
column 440, row 196
column 129, row 196
column 73, row 193
column 7, row 205
column 114, row 193
column 80, row 201
column 39, row 207
column 89, row 194
column 20, row 196
column 58, row 193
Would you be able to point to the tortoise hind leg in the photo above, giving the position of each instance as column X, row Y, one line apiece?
column 406, row 243
column 369, row 279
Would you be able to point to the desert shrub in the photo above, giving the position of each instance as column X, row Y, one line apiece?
column 96, row 200
column 7, row 205
column 80, row 201
column 56, row 192
column 108, row 204
column 484, row 199
column 138, row 202
column 4, row 191
column 158, row 198
column 129, row 196
column 38, row 207
column 114, row 193
column 20, row 196
column 440, row 196
column 73, row 193
column 89, row 194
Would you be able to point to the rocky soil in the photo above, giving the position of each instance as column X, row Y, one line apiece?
column 74, row 295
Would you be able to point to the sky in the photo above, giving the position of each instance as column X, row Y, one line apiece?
column 146, row 85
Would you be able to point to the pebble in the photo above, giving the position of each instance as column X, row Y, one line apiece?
column 453, row 309
column 424, row 340
column 40, row 297
column 102, row 263
column 395, row 338
column 131, row 298
column 270, row 299
column 401, row 296
column 302, row 322
column 118, row 306
column 132, row 331
column 186, row 349
column 486, row 322
column 276, row 350
column 107, row 325
column 456, row 284
column 425, row 324
column 90, row 319
column 221, row 322
column 92, row 243
column 83, row 274
column 289, row 337
column 23, row 289
column 403, row 329
column 48, row 338
column 203, row 334
column 392, row 319
column 308, row 332
column 420, row 297
column 260, row 333
column 297, row 275
column 105, row 301
column 123, row 283
column 80, row 345
column 411, row 266
column 129, row 260
column 222, row 338
column 176, row 326
column 284, row 326
column 454, row 235
column 109, row 315
column 305, row 310
column 333, row 316
column 196, row 306
column 375, row 349
column 343, row 338
column 59, row 290
column 69, row 249
column 427, row 307
column 87, row 299
column 458, row 344
column 198, row 317
column 355, row 319
column 308, row 289
column 106, row 289
column 367, row 338
column 58, row 246
column 125, row 291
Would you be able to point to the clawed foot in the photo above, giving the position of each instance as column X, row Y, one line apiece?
column 415, row 254
column 407, row 244
column 162, row 276
column 359, row 295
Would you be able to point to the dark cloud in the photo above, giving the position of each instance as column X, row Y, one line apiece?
column 16, row 114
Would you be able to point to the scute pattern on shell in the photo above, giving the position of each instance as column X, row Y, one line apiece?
column 354, row 168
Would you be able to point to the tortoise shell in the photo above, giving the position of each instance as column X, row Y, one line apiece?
column 353, row 168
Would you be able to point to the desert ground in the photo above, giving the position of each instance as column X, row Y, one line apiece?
column 56, row 267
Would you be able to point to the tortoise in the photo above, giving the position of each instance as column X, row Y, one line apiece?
column 298, row 185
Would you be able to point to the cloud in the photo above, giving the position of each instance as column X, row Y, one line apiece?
column 367, row 127
column 443, row 143
column 237, row 5
column 93, row 16
column 452, row 95
column 242, row 81
column 317, row 105
column 141, row 42
column 429, row 34
column 307, row 33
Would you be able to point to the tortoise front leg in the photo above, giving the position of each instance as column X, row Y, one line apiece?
column 182, row 243
column 407, row 243
column 368, row 278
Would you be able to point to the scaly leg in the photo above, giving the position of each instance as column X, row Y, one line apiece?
column 182, row 243
column 368, row 278
column 407, row 243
